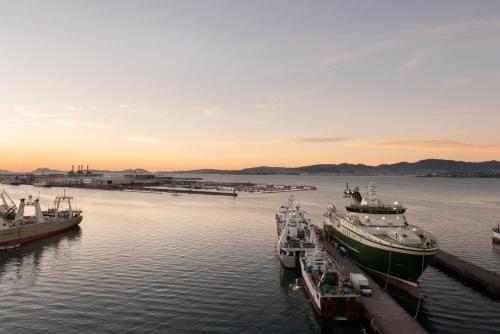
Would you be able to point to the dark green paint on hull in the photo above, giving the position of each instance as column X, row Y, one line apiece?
column 403, row 266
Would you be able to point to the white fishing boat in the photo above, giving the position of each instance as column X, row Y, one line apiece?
column 295, row 234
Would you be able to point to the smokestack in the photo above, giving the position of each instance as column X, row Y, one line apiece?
column 87, row 169
column 72, row 169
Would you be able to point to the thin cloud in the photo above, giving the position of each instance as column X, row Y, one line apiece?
column 72, row 123
column 29, row 112
column 310, row 140
column 143, row 140
column 432, row 144
column 70, row 107
column 417, row 36
column 411, row 63
column 459, row 82
column 211, row 111
column 63, row 119
column 271, row 105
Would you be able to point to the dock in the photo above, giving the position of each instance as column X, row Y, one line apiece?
column 488, row 280
column 144, row 181
column 216, row 192
column 384, row 314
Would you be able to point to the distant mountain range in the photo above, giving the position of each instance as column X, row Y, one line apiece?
column 422, row 167
column 428, row 167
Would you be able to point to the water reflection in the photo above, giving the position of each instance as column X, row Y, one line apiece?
column 157, row 263
column 292, row 285
column 30, row 256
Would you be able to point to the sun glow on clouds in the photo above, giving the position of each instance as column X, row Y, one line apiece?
column 310, row 140
column 434, row 144
column 321, row 88
column 70, row 118
column 76, row 123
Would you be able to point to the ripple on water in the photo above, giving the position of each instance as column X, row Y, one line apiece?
column 156, row 263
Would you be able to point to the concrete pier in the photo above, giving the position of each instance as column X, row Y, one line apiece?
column 385, row 315
column 486, row 279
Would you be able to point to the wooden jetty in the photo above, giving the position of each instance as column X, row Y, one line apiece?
column 384, row 314
column 486, row 279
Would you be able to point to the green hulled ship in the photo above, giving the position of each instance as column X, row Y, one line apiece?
column 380, row 239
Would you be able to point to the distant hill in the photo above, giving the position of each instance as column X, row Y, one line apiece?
column 45, row 170
column 125, row 171
column 422, row 167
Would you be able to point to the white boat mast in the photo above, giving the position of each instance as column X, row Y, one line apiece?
column 35, row 203
column 372, row 192
column 58, row 201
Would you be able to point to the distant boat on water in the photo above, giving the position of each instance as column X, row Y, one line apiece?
column 45, row 184
column 11, row 182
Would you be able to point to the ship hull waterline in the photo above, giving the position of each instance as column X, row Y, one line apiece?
column 403, row 272
column 495, row 237
column 20, row 235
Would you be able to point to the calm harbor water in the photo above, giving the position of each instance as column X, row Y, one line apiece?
column 145, row 263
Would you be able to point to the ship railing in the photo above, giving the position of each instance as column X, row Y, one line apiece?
column 432, row 242
column 299, row 245
column 335, row 290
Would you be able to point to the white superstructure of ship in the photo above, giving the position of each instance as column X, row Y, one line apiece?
column 295, row 234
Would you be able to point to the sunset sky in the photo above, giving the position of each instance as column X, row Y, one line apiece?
column 168, row 85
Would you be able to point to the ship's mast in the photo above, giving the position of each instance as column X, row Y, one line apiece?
column 34, row 203
column 291, row 201
column 20, row 211
column 8, row 206
column 372, row 199
column 38, row 211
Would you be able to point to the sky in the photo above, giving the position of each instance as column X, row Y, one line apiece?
column 174, row 85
